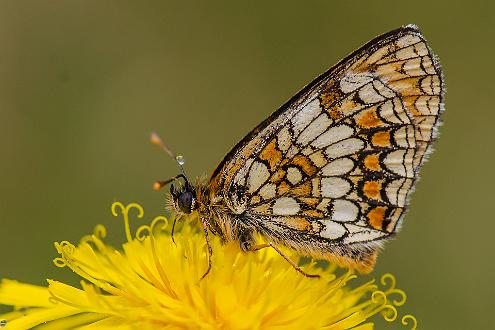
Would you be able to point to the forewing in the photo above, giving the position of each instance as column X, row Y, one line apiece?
column 338, row 161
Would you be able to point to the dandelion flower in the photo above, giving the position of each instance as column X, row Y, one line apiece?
column 151, row 283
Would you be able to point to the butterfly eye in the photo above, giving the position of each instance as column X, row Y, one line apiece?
column 185, row 201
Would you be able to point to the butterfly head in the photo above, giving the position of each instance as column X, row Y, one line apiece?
column 183, row 197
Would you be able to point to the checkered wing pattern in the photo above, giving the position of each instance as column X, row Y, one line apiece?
column 335, row 165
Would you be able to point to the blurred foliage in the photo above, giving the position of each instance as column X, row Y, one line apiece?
column 82, row 83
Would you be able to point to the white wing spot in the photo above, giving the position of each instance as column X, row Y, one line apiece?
column 344, row 148
column 268, row 191
column 286, row 206
column 337, row 167
column 344, row 210
column 305, row 116
column 333, row 135
column 334, row 187
column 318, row 126
column 257, row 176
column 294, row 175
column 284, row 139
column 333, row 230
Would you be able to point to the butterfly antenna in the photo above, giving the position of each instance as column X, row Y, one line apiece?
column 156, row 140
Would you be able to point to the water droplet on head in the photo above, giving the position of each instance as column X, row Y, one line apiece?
column 180, row 159
column 3, row 323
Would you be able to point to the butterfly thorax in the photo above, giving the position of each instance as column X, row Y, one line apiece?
column 218, row 216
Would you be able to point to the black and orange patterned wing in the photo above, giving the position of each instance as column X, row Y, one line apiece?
column 331, row 170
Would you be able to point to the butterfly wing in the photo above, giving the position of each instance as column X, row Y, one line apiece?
column 329, row 173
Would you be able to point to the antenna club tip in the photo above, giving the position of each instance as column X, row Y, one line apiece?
column 157, row 186
column 155, row 139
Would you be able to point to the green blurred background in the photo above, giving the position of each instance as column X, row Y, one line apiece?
column 82, row 83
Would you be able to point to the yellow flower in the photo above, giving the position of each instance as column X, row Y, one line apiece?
column 152, row 283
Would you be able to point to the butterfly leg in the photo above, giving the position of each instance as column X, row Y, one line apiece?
column 208, row 244
column 293, row 264
column 173, row 229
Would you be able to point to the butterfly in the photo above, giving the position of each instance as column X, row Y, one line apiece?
column 329, row 173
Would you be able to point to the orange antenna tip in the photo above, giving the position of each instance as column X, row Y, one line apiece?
column 155, row 139
column 157, row 186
